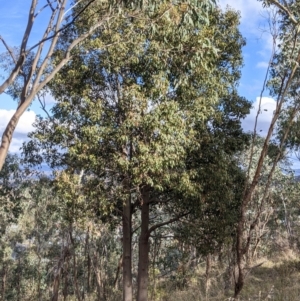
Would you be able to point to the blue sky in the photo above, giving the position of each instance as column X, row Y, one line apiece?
column 256, row 56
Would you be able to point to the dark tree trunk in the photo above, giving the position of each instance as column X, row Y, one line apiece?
column 4, row 276
column 88, row 260
column 118, row 273
column 127, row 273
column 56, row 283
column 240, row 251
column 142, row 291
column 75, row 280
column 58, row 272
column 65, row 279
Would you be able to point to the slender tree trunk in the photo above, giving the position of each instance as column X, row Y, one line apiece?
column 56, row 283
column 142, row 290
column 240, row 251
column 98, row 279
column 65, row 278
column 207, row 275
column 127, row 273
column 155, row 254
column 39, row 279
column 229, row 272
column 7, row 137
column 118, row 273
column 75, row 280
column 4, row 276
column 19, row 280
column 58, row 272
column 88, row 260
column 89, row 274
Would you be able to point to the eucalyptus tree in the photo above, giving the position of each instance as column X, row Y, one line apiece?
column 29, row 69
column 128, row 115
column 283, row 85
column 217, row 165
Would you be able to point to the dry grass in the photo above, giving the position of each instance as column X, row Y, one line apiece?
column 277, row 280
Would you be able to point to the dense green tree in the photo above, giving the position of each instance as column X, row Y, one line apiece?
column 31, row 68
column 132, row 117
column 11, row 193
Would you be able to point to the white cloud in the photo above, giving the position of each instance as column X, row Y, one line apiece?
column 254, row 22
column 268, row 106
column 263, row 65
column 25, row 123
column 23, row 128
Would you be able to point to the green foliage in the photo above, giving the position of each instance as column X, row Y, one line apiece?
column 11, row 190
column 154, row 108
column 149, row 101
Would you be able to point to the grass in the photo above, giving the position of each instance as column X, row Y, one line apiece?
column 274, row 280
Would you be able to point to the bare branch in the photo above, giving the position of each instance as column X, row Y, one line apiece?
column 172, row 220
column 22, row 55
column 50, row 5
column 31, row 18
column 63, row 28
column 43, row 104
column 68, row 53
column 285, row 9
column 37, row 57
column 259, row 111
column 74, row 6
column 52, row 45
column 8, row 132
column 23, row 52
column 42, row 8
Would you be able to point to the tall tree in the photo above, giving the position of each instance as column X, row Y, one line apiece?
column 283, row 84
column 31, row 67
column 128, row 114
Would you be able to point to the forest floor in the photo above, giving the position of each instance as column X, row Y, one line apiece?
column 275, row 279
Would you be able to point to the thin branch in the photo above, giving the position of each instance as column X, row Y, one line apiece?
column 274, row 35
column 22, row 56
column 63, row 28
column 72, row 6
column 276, row 115
column 285, row 9
column 37, row 58
column 43, row 105
column 31, row 18
column 42, row 8
column 172, row 220
column 52, row 45
column 50, row 5
column 282, row 142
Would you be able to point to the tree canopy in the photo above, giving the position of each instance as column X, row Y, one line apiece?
column 150, row 173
